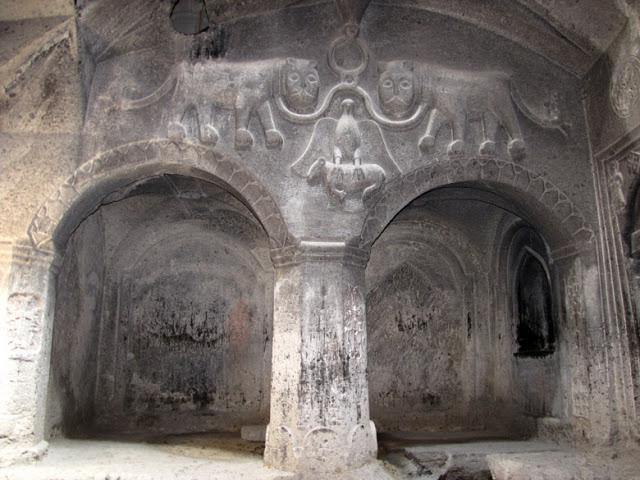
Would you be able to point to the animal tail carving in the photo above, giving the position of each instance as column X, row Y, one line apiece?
column 550, row 116
column 153, row 97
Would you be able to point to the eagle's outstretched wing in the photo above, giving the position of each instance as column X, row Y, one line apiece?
column 374, row 148
column 320, row 145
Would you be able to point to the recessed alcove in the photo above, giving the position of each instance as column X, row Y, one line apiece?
column 163, row 315
column 457, row 284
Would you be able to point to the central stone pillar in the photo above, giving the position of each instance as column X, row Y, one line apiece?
column 319, row 398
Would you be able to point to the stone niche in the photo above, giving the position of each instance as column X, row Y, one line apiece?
column 163, row 314
column 446, row 325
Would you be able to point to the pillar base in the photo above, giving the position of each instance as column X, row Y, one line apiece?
column 321, row 449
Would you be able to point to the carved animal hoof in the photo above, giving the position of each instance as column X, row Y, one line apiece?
column 456, row 147
column 516, row 148
column 210, row 135
column 244, row 139
column 176, row 132
column 339, row 194
column 273, row 139
column 427, row 142
column 488, row 147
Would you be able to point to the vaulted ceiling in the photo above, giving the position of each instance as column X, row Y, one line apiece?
column 570, row 33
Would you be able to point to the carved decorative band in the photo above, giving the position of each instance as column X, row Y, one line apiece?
column 320, row 449
column 315, row 251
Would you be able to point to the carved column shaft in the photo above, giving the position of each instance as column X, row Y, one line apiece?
column 319, row 398
column 26, row 301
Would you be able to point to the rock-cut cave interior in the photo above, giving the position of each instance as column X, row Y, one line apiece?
column 320, row 239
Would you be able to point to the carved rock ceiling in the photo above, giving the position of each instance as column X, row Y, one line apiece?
column 572, row 33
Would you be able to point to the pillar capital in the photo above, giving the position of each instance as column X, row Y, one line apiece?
column 320, row 251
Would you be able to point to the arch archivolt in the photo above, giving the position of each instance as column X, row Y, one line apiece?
column 551, row 204
column 85, row 188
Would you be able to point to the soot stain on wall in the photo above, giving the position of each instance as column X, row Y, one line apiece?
column 185, row 333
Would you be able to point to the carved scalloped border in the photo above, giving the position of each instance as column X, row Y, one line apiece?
column 406, row 188
column 101, row 168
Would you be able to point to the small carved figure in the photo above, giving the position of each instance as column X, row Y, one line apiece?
column 633, row 162
column 460, row 97
column 246, row 88
column 398, row 88
column 617, row 187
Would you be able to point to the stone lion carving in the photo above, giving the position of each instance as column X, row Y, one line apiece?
column 398, row 88
column 454, row 98
column 245, row 88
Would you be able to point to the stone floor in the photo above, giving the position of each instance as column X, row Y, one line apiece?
column 493, row 459
column 226, row 457
column 192, row 457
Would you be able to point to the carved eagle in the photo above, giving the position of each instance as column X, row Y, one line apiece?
column 327, row 135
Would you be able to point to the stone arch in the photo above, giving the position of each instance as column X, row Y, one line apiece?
column 94, row 180
column 539, row 199
column 516, row 238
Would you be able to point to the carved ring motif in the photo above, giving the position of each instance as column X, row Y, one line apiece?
column 348, row 75
column 625, row 88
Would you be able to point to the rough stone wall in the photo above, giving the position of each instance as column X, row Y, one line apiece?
column 428, row 305
column 77, row 327
column 417, row 311
column 41, row 112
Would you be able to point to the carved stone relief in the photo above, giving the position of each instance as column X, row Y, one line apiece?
column 625, row 86
column 341, row 165
column 245, row 88
column 548, row 114
column 460, row 97
column 620, row 178
column 341, row 151
column 616, row 184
